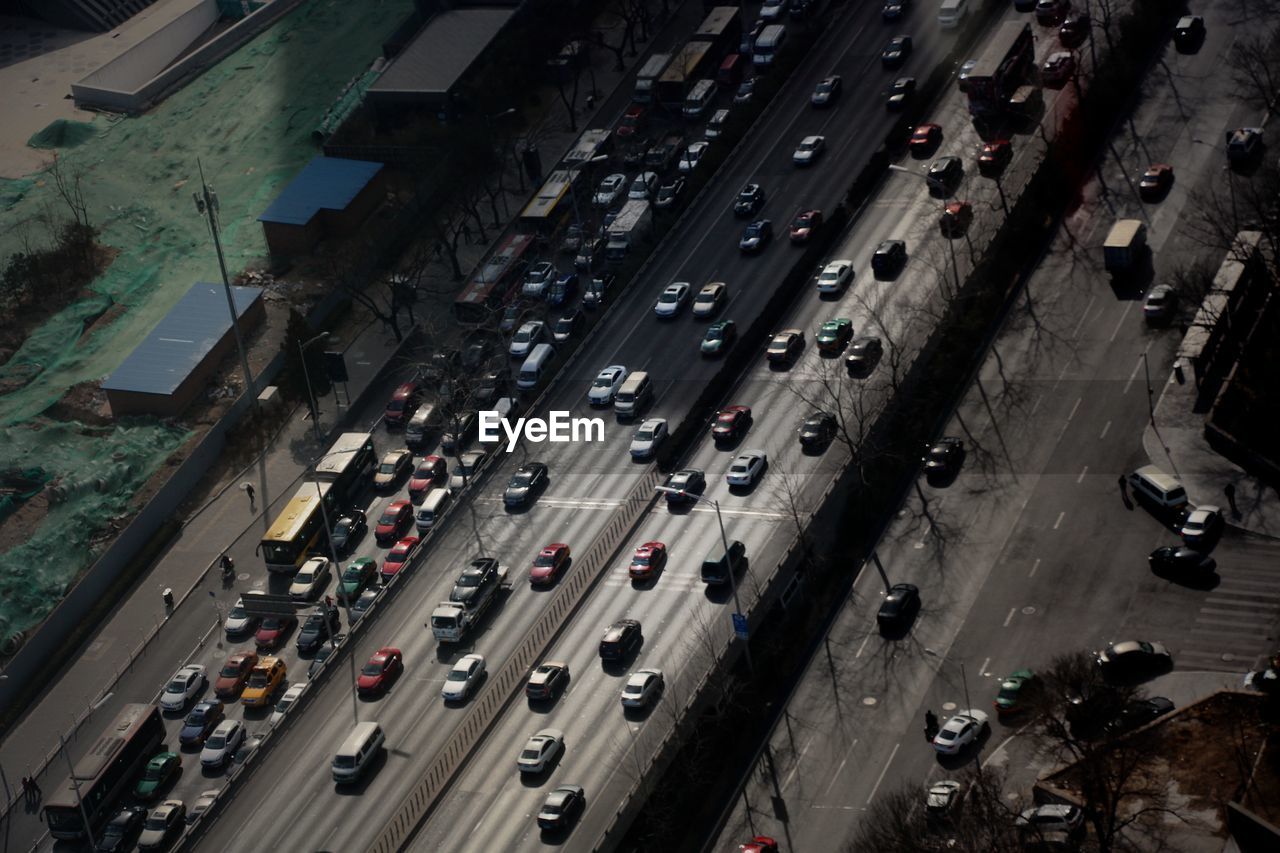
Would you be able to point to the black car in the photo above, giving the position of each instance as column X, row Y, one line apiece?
column 1138, row 713
column 620, row 640
column 942, row 461
column 863, row 355
column 561, row 807
column 1181, row 560
column 525, row 483
column 547, row 681
column 1188, row 33
column 482, row 572
column 669, row 193
column 900, row 92
column 349, row 530
column 569, row 324
column 756, row 236
column 200, row 723
column 943, row 176
column 749, row 201
column 898, row 607
column 818, row 429
column 323, row 653
column 1133, row 658
column 318, row 628
column 746, row 89
column 122, row 831
column 892, row 9
column 896, row 52
column 889, row 258
column 691, row 481
column 1074, row 29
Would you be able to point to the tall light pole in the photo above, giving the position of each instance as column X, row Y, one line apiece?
column 306, row 375
column 346, row 603
column 207, row 205
column 739, row 616
column 964, row 680
column 573, row 187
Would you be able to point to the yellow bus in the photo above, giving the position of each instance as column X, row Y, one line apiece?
column 299, row 527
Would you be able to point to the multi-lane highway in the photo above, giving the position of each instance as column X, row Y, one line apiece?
column 291, row 802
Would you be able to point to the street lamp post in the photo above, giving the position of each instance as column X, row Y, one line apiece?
column 306, row 375
column 724, row 541
column 573, row 186
column 964, row 680
column 207, row 205
column 346, row 603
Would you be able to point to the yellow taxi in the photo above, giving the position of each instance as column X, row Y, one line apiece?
column 264, row 680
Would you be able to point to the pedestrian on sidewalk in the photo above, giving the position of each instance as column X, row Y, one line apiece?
column 1230, row 491
column 248, row 490
column 26, row 790
column 36, row 793
column 930, row 724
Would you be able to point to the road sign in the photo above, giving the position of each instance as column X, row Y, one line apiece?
column 740, row 625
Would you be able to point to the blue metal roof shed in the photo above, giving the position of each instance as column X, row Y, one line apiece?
column 330, row 193
column 174, row 362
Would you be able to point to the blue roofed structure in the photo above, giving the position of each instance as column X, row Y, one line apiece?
column 330, row 197
column 174, row 363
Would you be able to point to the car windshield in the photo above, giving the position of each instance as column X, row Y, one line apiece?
column 545, row 560
column 641, row 559
column 715, row 333
column 754, row 229
column 197, row 716
column 397, row 556
column 178, row 685
column 604, row 380
column 564, row 324
column 389, row 517
column 470, row 579
column 155, row 823
column 216, row 742
column 522, row 336
column 826, row 86
column 668, row 296
column 778, row 344
column 372, row 668
column 457, row 675
column 353, row 573
column 801, row 222
column 521, row 480
column 284, row 703
column 707, row 296
column 230, row 670
column 947, row 734
column 258, row 678
column 808, row 145
column 644, row 434
column 314, row 622
column 530, row 753
column 238, row 612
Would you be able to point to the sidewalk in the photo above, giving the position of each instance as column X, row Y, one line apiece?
column 226, row 523
column 1177, row 443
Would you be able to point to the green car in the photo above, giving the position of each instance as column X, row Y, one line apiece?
column 720, row 336
column 1015, row 691
column 159, row 770
column 358, row 575
column 835, row 335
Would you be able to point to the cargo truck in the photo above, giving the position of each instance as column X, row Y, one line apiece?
column 451, row 621
column 628, row 229
column 647, row 77
column 1125, row 247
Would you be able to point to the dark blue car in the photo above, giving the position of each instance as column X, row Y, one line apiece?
column 564, row 289
column 198, row 725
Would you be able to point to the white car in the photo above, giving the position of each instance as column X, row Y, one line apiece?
column 647, row 438
column 771, row 10
column 642, row 687
column 463, row 678
column 692, row 156
column 465, row 469
column 606, row 385
column 609, row 190
column 539, row 750
column 183, row 687
column 313, row 577
column 285, row 702
column 747, row 468
column 1051, row 817
column 960, row 731
column 526, row 338
column 220, row 746
column 835, row 276
column 239, row 621
column 809, row 150
column 644, row 186
column 203, row 803
column 672, row 299
column 709, row 299
column 1203, row 524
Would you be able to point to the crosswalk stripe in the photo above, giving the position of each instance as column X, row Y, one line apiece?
column 1236, row 621
column 1245, row 593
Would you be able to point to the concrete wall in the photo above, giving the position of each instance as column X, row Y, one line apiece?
column 138, row 96
column 145, row 60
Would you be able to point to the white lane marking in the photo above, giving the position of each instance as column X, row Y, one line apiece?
column 1061, row 516
column 1105, row 427
column 1133, row 375
column 883, row 771
column 1083, row 471
column 799, row 758
column 983, row 669
column 1120, row 323
column 1034, row 566
column 1036, row 404
column 843, row 761
column 1073, row 409
column 865, row 640
column 1075, row 333
column 1009, row 618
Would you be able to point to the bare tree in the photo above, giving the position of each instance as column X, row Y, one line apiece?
column 1255, row 68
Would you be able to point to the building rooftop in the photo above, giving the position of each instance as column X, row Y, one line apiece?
column 326, row 183
column 441, row 52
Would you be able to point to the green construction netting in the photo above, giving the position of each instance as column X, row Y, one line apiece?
column 249, row 121
column 62, row 134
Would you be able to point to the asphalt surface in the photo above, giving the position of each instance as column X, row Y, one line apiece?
column 294, row 804
column 1032, row 552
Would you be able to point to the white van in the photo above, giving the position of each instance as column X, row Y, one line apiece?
column 531, row 371
column 432, row 508
column 632, row 396
column 699, row 98
column 951, row 13
column 424, row 422
column 768, row 43
column 1151, row 484
column 357, row 751
column 715, row 127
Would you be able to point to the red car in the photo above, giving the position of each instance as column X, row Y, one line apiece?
column 393, row 521
column 430, row 470
column 233, row 675
column 382, row 669
column 759, row 844
column 273, row 630
column 403, row 403
column 994, row 157
column 956, row 218
column 805, row 223
column 633, row 120
column 398, row 556
column 648, row 561
column 731, row 422
column 548, row 564
column 924, row 139
column 1156, row 182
